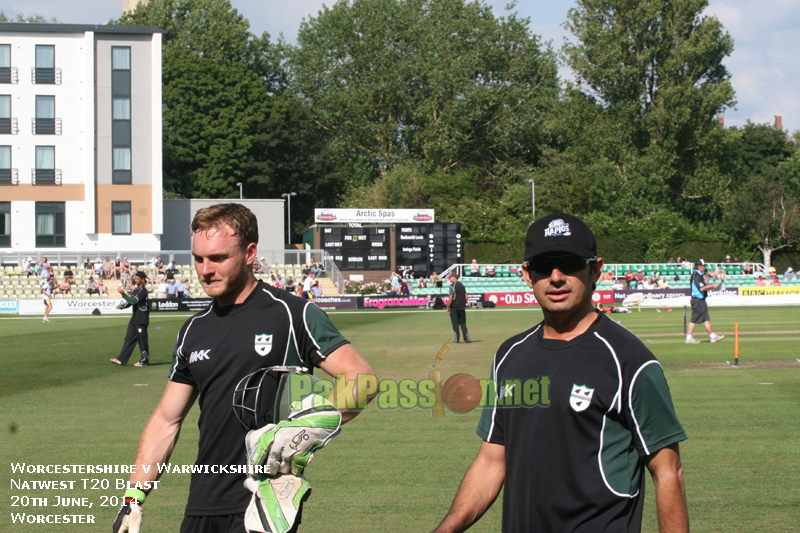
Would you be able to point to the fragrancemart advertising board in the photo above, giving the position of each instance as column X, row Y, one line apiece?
column 371, row 216
column 73, row 307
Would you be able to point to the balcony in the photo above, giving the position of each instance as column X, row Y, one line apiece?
column 42, row 176
column 46, row 126
column 8, row 126
column 9, row 176
column 9, row 75
column 45, row 76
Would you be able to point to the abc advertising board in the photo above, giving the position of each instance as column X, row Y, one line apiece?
column 509, row 299
column 332, row 303
column 190, row 305
column 345, row 216
column 73, row 307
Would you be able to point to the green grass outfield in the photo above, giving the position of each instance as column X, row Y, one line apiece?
column 62, row 402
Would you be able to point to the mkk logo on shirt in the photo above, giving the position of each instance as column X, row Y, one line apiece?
column 263, row 344
column 199, row 355
column 581, row 397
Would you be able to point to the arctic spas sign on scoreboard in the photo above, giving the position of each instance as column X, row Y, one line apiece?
column 372, row 216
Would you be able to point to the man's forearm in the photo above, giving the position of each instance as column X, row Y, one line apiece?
column 673, row 513
column 155, row 446
column 477, row 492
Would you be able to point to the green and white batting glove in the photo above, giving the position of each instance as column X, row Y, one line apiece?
column 287, row 447
column 275, row 504
column 129, row 517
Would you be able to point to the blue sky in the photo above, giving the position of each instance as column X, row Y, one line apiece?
column 765, row 63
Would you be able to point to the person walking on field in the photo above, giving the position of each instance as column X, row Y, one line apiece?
column 699, row 306
column 137, row 326
column 457, row 307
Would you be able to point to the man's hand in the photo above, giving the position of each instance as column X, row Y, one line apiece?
column 286, row 448
column 121, row 289
column 129, row 518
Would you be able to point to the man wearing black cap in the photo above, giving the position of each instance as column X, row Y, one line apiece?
column 699, row 305
column 137, row 327
column 457, row 307
column 581, row 409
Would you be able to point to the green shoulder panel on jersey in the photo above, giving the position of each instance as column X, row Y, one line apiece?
column 620, row 464
column 321, row 330
column 651, row 407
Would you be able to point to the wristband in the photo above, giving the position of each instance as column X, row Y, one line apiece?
column 135, row 494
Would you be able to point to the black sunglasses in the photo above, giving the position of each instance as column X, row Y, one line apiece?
column 567, row 264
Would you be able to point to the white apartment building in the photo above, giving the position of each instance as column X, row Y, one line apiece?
column 80, row 138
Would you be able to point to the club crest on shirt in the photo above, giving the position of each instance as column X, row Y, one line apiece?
column 581, row 397
column 263, row 344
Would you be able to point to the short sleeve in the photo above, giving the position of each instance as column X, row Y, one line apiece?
column 491, row 424
column 179, row 371
column 317, row 337
column 651, row 411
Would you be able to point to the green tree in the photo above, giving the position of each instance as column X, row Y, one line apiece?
column 217, row 77
column 443, row 82
column 654, row 71
column 35, row 18
column 764, row 211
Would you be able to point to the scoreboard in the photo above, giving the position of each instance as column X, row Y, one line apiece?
column 423, row 247
column 428, row 247
column 358, row 246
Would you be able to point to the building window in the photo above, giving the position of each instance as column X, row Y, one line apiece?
column 45, row 121
column 45, row 70
column 8, row 125
column 7, row 174
column 5, row 224
column 121, row 218
column 8, row 74
column 45, row 172
column 121, row 114
column 49, row 224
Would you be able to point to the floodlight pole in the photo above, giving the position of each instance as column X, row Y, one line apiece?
column 288, row 196
column 239, row 184
column 533, row 198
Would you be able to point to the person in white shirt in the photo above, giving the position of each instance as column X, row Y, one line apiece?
column 162, row 288
column 307, row 283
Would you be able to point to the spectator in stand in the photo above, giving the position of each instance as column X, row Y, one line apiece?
column 30, row 267
column 307, row 283
column 649, row 284
column 640, row 285
column 180, row 289
column 761, row 282
column 758, row 273
column 747, row 268
column 46, row 273
column 266, row 266
column 728, row 260
column 630, row 278
column 608, row 276
column 721, row 274
column 618, row 285
column 316, row 290
column 172, row 290
column 159, row 265
column 117, row 269
column 108, row 268
column 315, row 267
column 407, row 273
column 126, row 267
column 258, row 266
column 279, row 282
column 273, row 280
column 289, row 285
column 773, row 274
column 395, row 284
column 404, row 288
column 435, row 280
column 423, row 283
column 101, row 287
column 789, row 274
column 776, row 282
column 171, row 270
column 162, row 289
column 639, row 276
column 474, row 269
column 65, row 288
column 686, row 263
column 69, row 275
column 91, row 286
column 44, row 265
column 654, row 275
column 663, row 283
column 490, row 273
column 98, row 268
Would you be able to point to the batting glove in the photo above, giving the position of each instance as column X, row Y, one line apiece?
column 129, row 517
column 276, row 503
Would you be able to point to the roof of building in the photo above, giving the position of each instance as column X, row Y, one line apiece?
column 8, row 27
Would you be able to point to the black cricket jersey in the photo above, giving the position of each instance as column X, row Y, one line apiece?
column 576, row 419
column 138, row 302
column 216, row 348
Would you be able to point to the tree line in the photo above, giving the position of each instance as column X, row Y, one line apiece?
column 443, row 104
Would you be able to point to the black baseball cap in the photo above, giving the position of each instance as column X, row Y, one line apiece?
column 140, row 274
column 699, row 262
column 560, row 232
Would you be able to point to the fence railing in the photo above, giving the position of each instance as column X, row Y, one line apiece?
column 618, row 269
